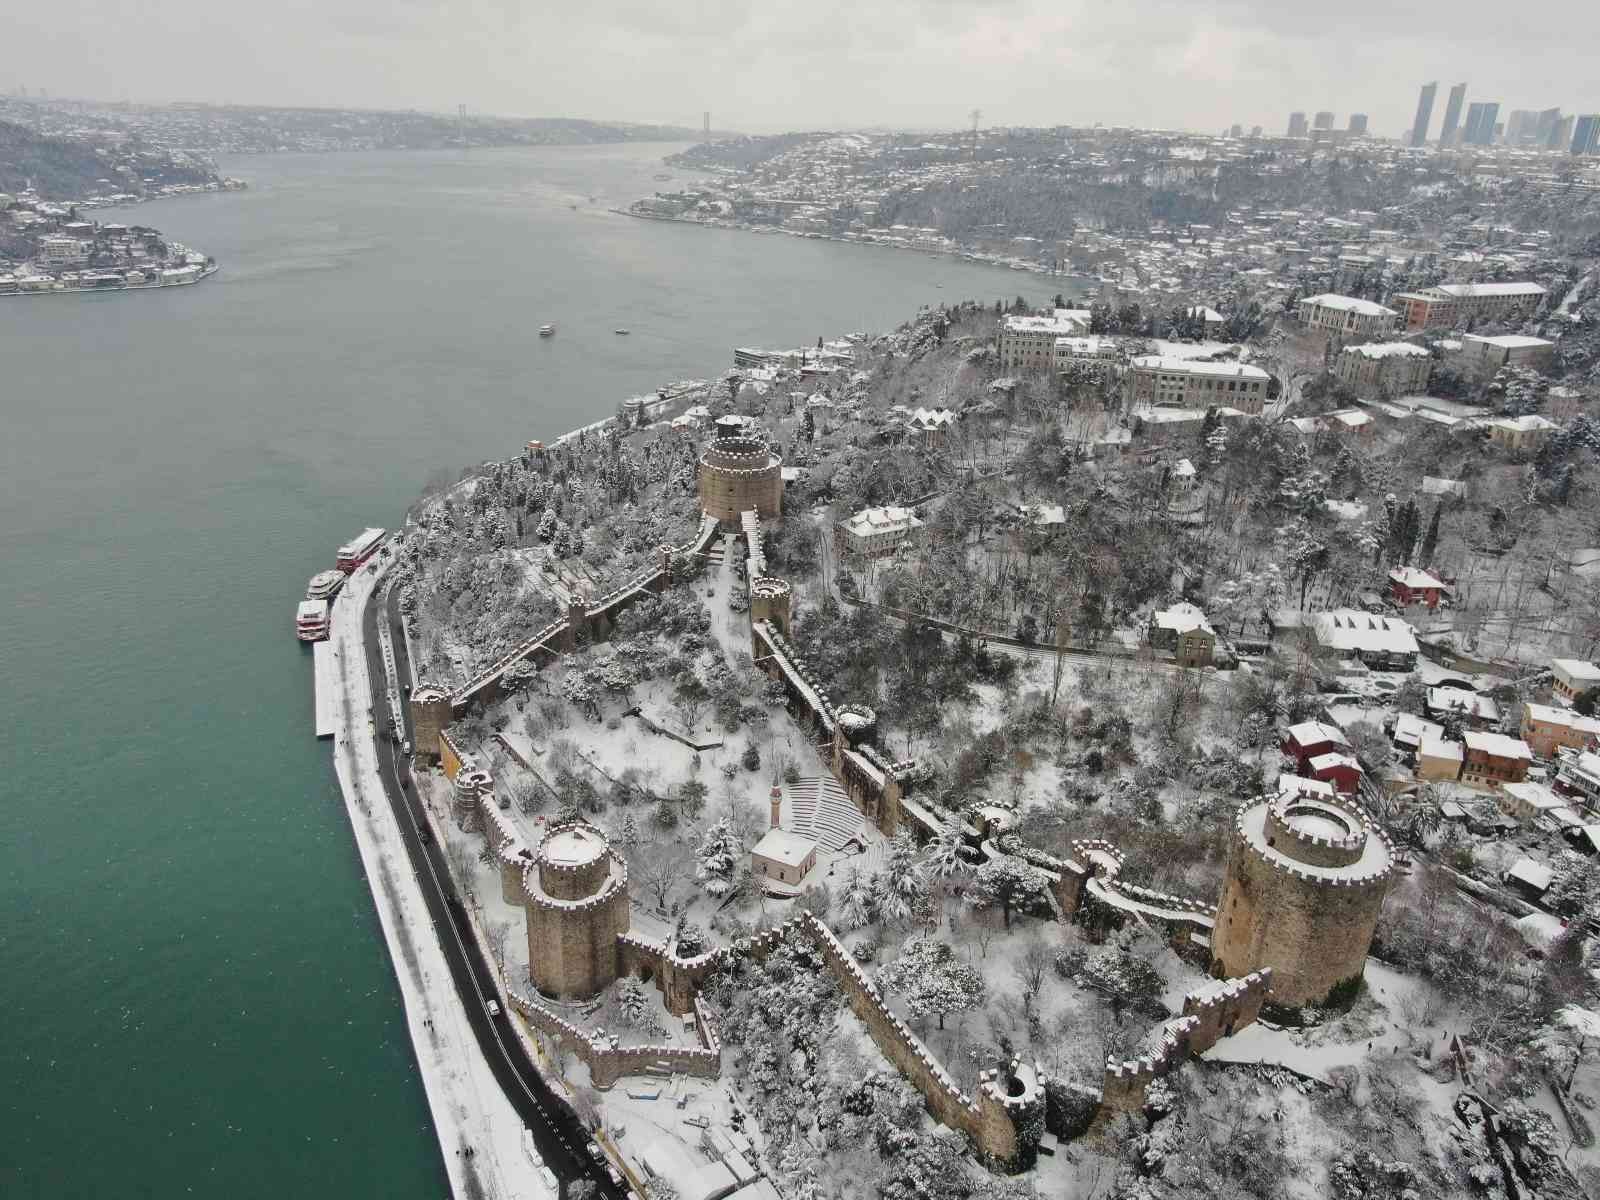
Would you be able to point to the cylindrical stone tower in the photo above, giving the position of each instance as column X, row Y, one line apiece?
column 738, row 474
column 1306, row 879
column 430, row 713
column 577, row 904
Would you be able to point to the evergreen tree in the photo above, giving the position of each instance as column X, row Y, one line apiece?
column 1430, row 540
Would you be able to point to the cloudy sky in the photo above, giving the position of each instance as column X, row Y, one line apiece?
column 782, row 64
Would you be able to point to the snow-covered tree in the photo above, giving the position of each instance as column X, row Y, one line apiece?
column 943, row 857
column 857, row 905
column 717, row 858
column 934, row 981
column 899, row 882
column 1010, row 883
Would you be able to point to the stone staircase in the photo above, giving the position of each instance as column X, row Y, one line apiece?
column 819, row 808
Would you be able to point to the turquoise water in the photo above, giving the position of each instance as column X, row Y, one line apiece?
column 197, row 997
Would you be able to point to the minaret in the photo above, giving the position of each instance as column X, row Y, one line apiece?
column 776, row 800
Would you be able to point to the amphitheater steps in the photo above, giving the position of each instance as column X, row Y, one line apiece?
column 819, row 808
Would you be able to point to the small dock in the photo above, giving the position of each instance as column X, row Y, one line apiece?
column 327, row 687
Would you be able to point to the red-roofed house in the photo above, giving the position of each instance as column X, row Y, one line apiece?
column 1341, row 770
column 1413, row 585
column 1308, row 739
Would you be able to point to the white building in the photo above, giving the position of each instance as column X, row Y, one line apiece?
column 1571, row 677
column 1069, row 350
column 1385, row 643
column 1489, row 354
column 876, row 532
column 1163, row 381
column 64, row 251
column 1347, row 316
column 1527, row 432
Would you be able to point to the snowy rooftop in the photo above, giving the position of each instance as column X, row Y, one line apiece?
column 1437, row 748
column 1181, row 618
column 1376, row 857
column 1508, row 341
column 1535, row 874
column 1577, row 669
column 1348, row 629
column 1350, row 304
column 1468, row 290
column 1186, row 366
column 1314, row 733
column 1564, row 717
column 1527, row 423
column 1415, row 577
column 1299, row 785
column 886, row 519
column 1387, row 350
column 784, row 847
column 1497, row 744
column 573, row 847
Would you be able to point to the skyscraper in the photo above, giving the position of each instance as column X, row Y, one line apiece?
column 1562, row 137
column 1297, row 124
column 1236, row 131
column 1481, row 118
column 705, row 120
column 1452, row 116
column 1255, row 131
column 1324, row 120
column 1544, row 129
column 1358, row 124
column 1419, row 127
column 1586, row 134
column 1519, row 126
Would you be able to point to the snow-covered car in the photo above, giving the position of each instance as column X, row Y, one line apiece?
column 492, row 1007
column 595, row 1152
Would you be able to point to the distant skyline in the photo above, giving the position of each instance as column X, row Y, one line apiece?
column 762, row 66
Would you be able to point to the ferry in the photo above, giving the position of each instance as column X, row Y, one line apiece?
column 547, row 330
column 325, row 585
column 620, row 331
column 311, row 621
column 353, row 554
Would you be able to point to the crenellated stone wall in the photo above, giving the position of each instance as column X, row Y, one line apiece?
column 608, row 1060
column 678, row 979
column 1210, row 1013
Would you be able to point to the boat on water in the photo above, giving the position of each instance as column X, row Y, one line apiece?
column 547, row 331
column 311, row 621
column 325, row 585
column 353, row 554
column 620, row 330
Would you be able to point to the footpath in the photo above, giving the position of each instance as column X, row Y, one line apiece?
column 480, row 1134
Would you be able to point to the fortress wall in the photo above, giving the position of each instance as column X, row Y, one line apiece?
column 608, row 1062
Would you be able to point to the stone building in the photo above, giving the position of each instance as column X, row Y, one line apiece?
column 1487, row 355
column 1162, row 381
column 577, row 906
column 1384, row 368
column 1463, row 305
column 1305, row 881
column 738, row 474
column 1030, row 341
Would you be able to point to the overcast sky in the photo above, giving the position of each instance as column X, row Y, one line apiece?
column 762, row 65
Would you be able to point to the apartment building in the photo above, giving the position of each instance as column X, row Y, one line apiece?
column 1346, row 316
column 1571, row 677
column 1384, row 368
column 1458, row 305
column 1528, row 432
column 1161, row 381
column 1493, row 759
column 1547, row 729
column 1489, row 354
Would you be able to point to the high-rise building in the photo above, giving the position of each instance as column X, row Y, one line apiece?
column 1358, row 124
column 705, row 119
column 1236, row 131
column 1419, row 127
column 1324, row 120
column 1544, row 128
column 1520, row 126
column 1562, row 137
column 1586, row 134
column 1297, row 124
column 1255, row 131
column 1481, row 118
column 1452, row 116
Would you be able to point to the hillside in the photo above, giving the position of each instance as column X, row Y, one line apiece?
column 60, row 168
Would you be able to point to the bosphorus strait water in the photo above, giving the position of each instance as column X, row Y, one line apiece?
column 197, row 996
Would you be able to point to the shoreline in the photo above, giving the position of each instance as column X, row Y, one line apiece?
column 206, row 273
column 966, row 256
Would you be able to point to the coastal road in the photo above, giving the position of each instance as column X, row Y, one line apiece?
column 557, row 1132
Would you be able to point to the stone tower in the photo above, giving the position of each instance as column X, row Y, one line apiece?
column 769, row 601
column 577, row 904
column 1306, row 879
column 738, row 474
column 430, row 713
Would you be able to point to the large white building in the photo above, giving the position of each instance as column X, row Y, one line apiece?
column 1161, row 381
column 1461, row 305
column 1031, row 341
column 1347, row 316
column 875, row 532
column 1069, row 350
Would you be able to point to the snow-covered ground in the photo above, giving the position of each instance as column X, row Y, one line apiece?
column 468, row 1106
